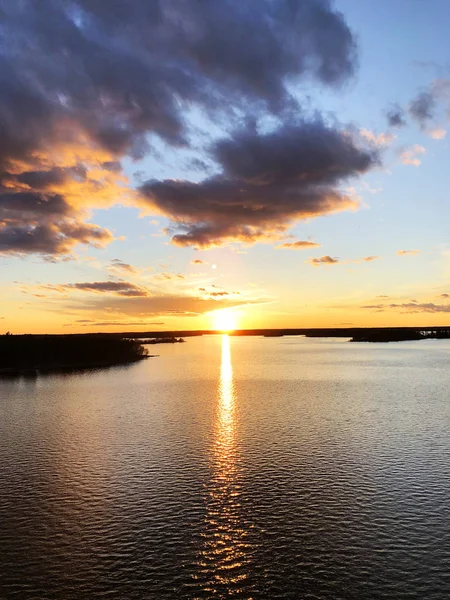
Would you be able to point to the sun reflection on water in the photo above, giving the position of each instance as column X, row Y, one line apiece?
column 225, row 557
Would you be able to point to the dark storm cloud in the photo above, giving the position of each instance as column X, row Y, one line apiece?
column 396, row 116
column 268, row 181
column 422, row 107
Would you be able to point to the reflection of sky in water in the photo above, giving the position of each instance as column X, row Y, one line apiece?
column 225, row 559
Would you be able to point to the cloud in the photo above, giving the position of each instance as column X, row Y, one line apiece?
column 329, row 260
column 370, row 258
column 380, row 139
column 428, row 103
column 197, row 261
column 423, row 106
column 411, row 307
column 444, row 296
column 300, row 245
column 118, row 288
column 89, row 323
column 84, row 84
column 396, row 116
column 168, row 276
column 323, row 260
column 120, row 266
column 410, row 156
column 438, row 133
column 268, row 182
column 51, row 238
column 156, row 305
column 408, row 252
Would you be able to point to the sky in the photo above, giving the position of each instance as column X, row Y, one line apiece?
column 190, row 164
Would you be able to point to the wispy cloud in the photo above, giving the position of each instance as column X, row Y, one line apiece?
column 299, row 245
column 116, row 288
column 379, row 139
column 411, row 156
column 370, row 258
column 410, row 307
column 119, row 266
column 439, row 133
column 408, row 252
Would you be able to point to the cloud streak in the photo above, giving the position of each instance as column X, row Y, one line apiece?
column 299, row 245
column 410, row 307
column 408, row 252
column 116, row 288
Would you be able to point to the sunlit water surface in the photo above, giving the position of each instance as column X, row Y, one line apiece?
column 231, row 467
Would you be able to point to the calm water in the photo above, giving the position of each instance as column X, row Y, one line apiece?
column 241, row 467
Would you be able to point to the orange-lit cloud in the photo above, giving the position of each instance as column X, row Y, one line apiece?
column 323, row 260
column 117, row 288
column 411, row 156
column 437, row 134
column 299, row 245
column 380, row 139
column 267, row 184
column 370, row 258
column 408, row 252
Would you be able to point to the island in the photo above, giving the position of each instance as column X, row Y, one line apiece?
column 34, row 354
column 162, row 340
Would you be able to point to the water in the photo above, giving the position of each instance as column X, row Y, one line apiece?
column 231, row 468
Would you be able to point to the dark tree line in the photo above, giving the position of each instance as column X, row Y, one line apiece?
column 28, row 352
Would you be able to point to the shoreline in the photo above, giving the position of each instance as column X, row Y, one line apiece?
column 52, row 369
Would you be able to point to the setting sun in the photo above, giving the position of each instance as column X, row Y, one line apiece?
column 224, row 320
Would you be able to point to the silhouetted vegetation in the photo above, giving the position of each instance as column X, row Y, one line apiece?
column 163, row 340
column 388, row 333
column 400, row 335
column 28, row 353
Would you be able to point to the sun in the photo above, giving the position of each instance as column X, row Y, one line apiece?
column 224, row 320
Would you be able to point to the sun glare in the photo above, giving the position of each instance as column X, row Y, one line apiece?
column 224, row 320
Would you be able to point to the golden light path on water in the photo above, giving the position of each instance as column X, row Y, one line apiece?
column 225, row 557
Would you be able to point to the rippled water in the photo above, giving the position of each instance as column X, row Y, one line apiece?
column 231, row 467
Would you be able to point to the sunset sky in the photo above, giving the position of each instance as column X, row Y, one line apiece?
column 283, row 159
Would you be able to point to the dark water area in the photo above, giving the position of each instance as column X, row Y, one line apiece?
column 231, row 468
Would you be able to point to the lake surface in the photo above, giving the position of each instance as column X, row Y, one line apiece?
column 231, row 468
